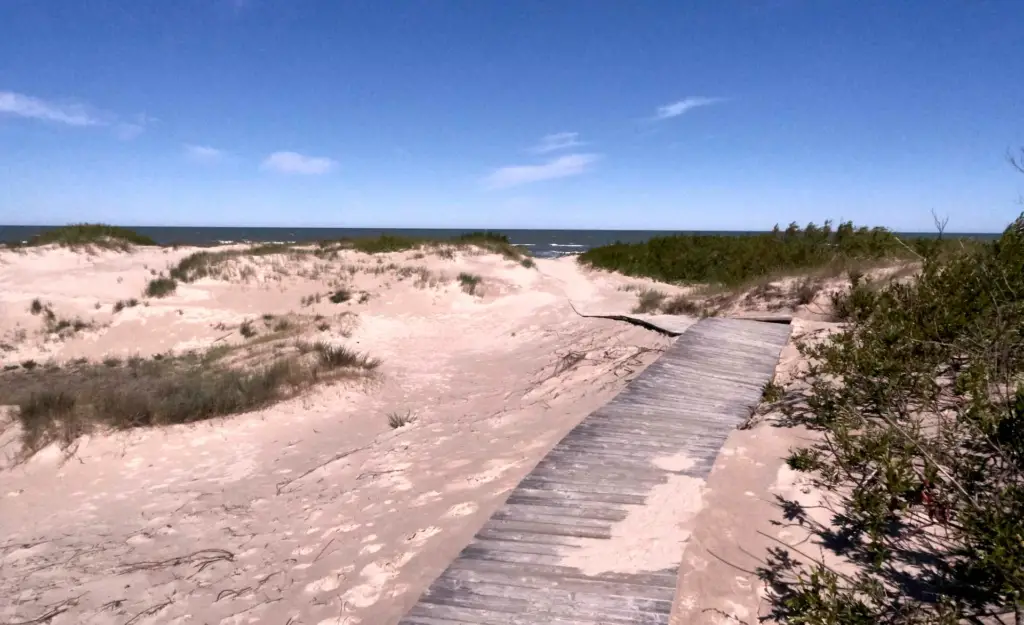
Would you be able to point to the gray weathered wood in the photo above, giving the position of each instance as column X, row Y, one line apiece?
column 685, row 403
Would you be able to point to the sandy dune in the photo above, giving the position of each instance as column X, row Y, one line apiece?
column 314, row 510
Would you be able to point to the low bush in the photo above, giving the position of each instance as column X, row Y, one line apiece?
column 736, row 259
column 918, row 403
column 99, row 235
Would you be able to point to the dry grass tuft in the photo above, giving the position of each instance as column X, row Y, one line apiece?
column 58, row 405
column 399, row 419
column 681, row 305
column 649, row 301
column 469, row 282
column 161, row 287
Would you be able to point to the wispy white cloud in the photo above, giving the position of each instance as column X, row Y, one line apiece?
column 295, row 163
column 203, row 153
column 72, row 114
column 21, row 105
column 685, row 105
column 561, row 167
column 557, row 141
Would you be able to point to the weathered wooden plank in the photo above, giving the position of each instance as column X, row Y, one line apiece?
column 597, row 512
column 558, row 603
column 583, row 486
column 607, row 602
column 683, row 405
column 533, row 527
column 489, row 617
column 632, row 592
column 554, row 574
column 534, row 495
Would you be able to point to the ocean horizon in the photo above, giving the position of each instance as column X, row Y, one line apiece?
column 542, row 243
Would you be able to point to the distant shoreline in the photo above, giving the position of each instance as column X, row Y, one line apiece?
column 543, row 243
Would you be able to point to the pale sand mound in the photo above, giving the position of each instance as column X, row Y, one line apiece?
column 314, row 510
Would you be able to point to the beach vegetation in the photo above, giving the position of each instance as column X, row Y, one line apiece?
column 917, row 406
column 86, row 234
column 733, row 260
column 121, row 304
column 61, row 405
column 161, row 287
column 469, row 282
column 340, row 296
column 649, row 301
column 398, row 419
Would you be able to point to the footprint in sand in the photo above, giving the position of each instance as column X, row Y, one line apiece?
column 461, row 510
column 421, row 536
column 329, row 582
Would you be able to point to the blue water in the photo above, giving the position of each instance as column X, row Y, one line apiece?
column 541, row 243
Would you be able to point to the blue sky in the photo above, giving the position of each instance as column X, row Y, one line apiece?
column 529, row 113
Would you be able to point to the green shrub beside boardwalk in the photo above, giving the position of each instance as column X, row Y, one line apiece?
column 734, row 259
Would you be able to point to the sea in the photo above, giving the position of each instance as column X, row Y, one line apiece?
column 541, row 243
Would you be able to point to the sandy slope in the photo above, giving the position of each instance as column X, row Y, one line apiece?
column 313, row 511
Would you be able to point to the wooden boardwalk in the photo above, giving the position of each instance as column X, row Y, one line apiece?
column 515, row 572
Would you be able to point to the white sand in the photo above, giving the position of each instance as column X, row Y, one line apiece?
column 314, row 510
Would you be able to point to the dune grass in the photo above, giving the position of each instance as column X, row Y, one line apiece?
column 733, row 260
column 98, row 235
column 161, row 287
column 64, row 403
column 205, row 263
column 469, row 282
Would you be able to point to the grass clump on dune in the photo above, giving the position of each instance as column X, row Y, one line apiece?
column 61, row 405
column 736, row 259
column 649, row 301
column 493, row 242
column 161, row 287
column 469, row 282
column 918, row 408
column 99, row 235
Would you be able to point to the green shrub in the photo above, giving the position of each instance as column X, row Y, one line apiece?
column 919, row 407
column 100, row 235
column 736, row 259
